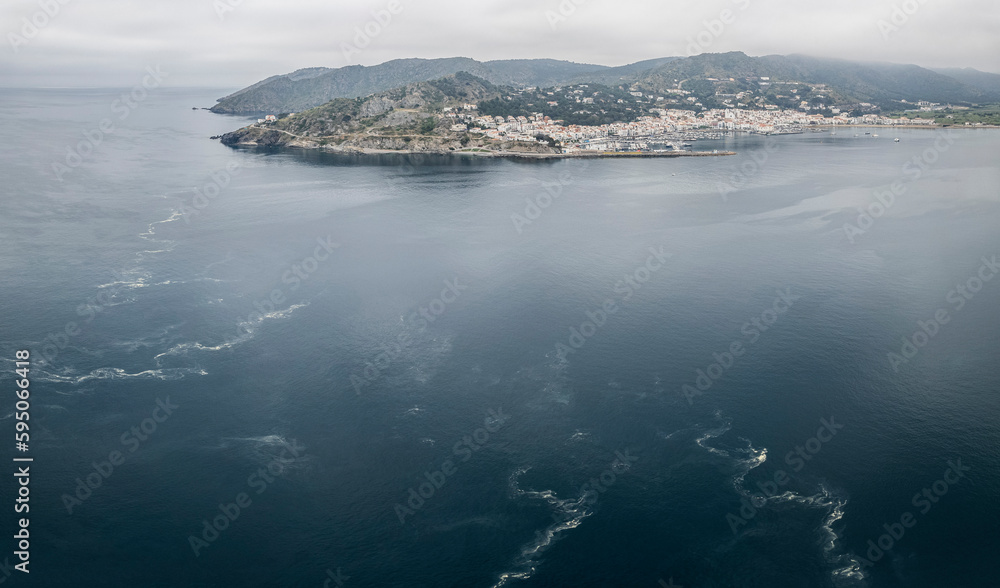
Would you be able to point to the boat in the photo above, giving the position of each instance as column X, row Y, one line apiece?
column 875, row 136
column 897, row 140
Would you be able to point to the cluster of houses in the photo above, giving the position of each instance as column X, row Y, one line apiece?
column 665, row 124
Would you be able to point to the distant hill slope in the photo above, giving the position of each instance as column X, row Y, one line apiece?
column 849, row 83
column 399, row 108
column 405, row 118
column 537, row 72
column 883, row 84
column 306, row 89
column 987, row 82
column 624, row 73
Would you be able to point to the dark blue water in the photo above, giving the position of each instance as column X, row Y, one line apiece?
column 329, row 334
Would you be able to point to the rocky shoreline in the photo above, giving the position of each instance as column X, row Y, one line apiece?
column 251, row 137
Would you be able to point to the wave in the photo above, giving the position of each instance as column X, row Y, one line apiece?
column 245, row 329
column 129, row 279
column 137, row 277
column 846, row 570
column 183, row 348
column 191, row 281
column 715, row 433
column 142, row 282
column 569, row 514
column 151, row 228
column 109, row 373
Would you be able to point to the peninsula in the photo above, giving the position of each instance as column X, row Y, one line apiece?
column 445, row 116
column 658, row 108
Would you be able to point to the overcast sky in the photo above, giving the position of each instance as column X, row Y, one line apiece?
column 233, row 43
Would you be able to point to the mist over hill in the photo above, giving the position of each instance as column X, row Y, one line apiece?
column 846, row 84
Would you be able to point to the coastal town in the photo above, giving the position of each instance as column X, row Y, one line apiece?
column 592, row 119
column 663, row 130
column 668, row 130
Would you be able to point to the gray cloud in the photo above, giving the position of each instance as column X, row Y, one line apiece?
column 109, row 42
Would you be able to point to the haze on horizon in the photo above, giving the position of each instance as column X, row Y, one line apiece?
column 234, row 43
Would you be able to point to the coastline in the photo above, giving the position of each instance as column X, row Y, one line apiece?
column 573, row 155
column 257, row 138
column 524, row 155
column 281, row 139
column 963, row 127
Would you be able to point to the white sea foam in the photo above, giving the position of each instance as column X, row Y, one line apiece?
column 245, row 328
column 151, row 228
column 747, row 458
column 846, row 570
column 712, row 434
column 128, row 280
column 110, row 373
column 570, row 514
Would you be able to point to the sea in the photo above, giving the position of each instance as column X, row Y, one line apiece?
column 278, row 368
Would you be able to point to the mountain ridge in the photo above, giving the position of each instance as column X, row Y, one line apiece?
column 887, row 86
column 285, row 93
